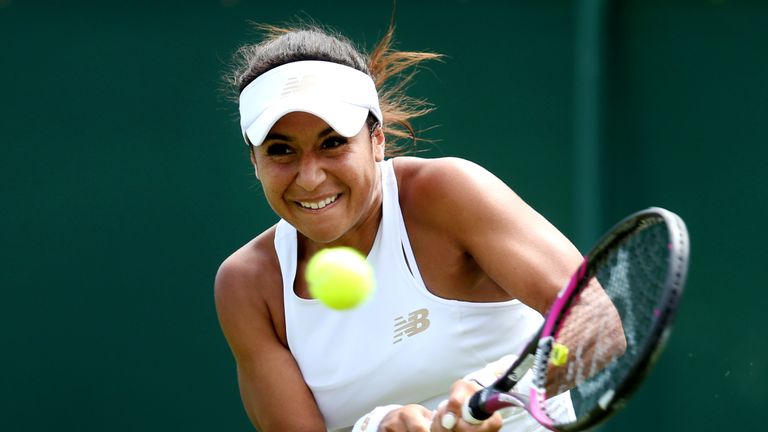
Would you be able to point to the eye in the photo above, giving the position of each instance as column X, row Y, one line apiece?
column 333, row 142
column 279, row 149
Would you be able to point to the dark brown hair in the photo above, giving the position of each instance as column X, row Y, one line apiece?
column 390, row 69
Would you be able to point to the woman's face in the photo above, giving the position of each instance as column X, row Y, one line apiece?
column 327, row 186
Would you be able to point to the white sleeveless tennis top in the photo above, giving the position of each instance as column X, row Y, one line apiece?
column 405, row 345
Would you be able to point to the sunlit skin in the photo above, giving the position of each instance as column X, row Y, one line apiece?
column 303, row 160
column 473, row 238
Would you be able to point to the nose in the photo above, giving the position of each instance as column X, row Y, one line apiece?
column 311, row 173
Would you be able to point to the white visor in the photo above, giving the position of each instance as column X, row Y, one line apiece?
column 340, row 95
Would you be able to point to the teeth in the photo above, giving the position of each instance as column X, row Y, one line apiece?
column 319, row 204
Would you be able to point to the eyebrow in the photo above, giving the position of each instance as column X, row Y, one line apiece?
column 327, row 131
column 281, row 137
column 275, row 136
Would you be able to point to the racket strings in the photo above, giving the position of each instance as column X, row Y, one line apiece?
column 607, row 326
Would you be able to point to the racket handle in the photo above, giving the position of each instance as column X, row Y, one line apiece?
column 487, row 401
column 471, row 411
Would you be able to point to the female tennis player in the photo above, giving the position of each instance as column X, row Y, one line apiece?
column 464, row 268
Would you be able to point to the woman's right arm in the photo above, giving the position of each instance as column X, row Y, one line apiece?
column 272, row 389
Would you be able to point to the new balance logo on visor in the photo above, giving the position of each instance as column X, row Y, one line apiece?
column 416, row 322
column 300, row 84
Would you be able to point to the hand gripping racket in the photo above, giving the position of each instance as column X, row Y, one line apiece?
column 604, row 331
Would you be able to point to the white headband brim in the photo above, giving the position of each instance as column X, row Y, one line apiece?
column 340, row 95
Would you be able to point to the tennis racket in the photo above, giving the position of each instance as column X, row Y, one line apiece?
column 604, row 331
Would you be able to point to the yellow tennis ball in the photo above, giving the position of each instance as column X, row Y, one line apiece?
column 559, row 355
column 340, row 277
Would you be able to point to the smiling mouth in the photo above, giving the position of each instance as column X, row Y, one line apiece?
column 315, row 205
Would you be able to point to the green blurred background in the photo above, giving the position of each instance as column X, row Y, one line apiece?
column 125, row 183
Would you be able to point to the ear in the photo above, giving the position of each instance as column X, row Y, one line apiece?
column 378, row 140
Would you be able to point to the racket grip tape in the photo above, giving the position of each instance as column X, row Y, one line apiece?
column 471, row 411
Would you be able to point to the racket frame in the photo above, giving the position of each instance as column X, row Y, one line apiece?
column 536, row 353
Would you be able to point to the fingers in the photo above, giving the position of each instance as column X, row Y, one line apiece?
column 448, row 414
column 448, row 421
column 447, row 417
column 460, row 392
column 410, row 418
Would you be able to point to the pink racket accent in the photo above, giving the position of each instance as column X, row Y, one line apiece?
column 537, row 412
column 561, row 299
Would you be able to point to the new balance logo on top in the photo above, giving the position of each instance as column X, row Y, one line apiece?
column 416, row 322
column 301, row 84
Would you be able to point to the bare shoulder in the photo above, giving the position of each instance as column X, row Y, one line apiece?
column 248, row 288
column 432, row 186
column 247, row 265
column 435, row 173
column 456, row 205
column 249, row 303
